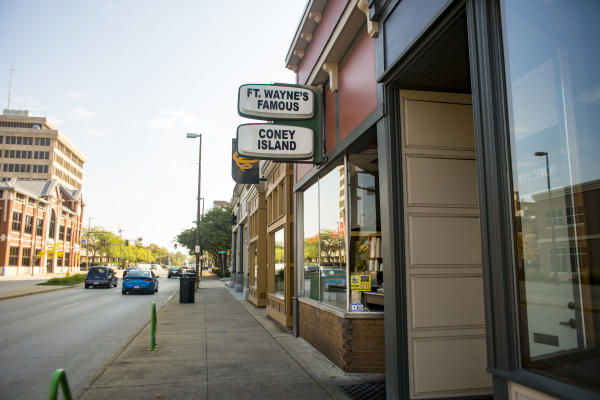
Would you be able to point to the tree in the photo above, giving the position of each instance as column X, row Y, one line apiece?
column 215, row 233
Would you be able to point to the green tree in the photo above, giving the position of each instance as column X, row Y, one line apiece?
column 215, row 233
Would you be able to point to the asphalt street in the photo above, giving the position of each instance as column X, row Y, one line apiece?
column 76, row 329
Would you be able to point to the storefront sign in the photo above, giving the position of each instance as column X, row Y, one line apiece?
column 243, row 170
column 275, row 141
column 360, row 283
column 274, row 102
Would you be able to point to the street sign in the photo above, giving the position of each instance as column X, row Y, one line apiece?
column 275, row 141
column 197, row 249
column 275, row 102
column 222, row 251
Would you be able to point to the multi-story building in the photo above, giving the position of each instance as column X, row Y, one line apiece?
column 40, row 227
column 461, row 172
column 32, row 148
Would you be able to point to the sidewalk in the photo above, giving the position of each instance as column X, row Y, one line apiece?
column 217, row 348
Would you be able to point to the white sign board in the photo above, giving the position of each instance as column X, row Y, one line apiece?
column 275, row 102
column 275, row 141
column 196, row 249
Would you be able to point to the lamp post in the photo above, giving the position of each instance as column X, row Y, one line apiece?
column 552, row 266
column 87, row 244
column 197, row 247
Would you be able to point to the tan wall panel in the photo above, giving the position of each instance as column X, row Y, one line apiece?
column 443, row 240
column 450, row 366
column 439, row 125
column 446, row 301
column 441, row 181
column 520, row 392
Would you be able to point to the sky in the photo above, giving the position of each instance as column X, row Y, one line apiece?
column 125, row 80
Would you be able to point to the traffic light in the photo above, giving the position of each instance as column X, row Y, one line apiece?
column 175, row 246
column 126, row 242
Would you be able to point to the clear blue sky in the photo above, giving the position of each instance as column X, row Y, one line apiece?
column 125, row 80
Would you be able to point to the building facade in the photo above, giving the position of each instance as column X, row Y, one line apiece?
column 459, row 184
column 40, row 227
column 32, row 148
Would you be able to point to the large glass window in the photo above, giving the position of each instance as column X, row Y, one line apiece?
column 365, row 228
column 310, row 201
column 279, row 261
column 332, row 217
column 552, row 56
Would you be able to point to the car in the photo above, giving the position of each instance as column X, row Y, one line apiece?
column 174, row 271
column 140, row 281
column 101, row 275
column 333, row 278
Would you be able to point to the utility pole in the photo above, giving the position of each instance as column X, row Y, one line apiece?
column 10, row 85
column 87, row 244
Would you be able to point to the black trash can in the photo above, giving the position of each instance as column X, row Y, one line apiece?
column 187, row 288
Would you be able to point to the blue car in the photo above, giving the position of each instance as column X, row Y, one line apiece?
column 139, row 281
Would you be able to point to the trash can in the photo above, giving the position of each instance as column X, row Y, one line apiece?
column 187, row 288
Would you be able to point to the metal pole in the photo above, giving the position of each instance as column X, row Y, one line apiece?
column 198, row 270
column 153, row 327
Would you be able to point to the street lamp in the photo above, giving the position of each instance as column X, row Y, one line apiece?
column 197, row 247
column 87, row 244
column 552, row 266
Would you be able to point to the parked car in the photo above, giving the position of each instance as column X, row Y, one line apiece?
column 174, row 271
column 101, row 276
column 333, row 278
column 140, row 281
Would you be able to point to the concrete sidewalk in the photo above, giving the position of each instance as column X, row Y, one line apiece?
column 217, row 348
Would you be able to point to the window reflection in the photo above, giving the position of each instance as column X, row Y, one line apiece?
column 365, row 224
column 332, row 250
column 279, row 262
column 311, row 242
column 552, row 54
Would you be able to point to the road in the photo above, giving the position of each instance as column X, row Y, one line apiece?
column 76, row 329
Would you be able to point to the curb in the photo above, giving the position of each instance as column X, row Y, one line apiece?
column 15, row 296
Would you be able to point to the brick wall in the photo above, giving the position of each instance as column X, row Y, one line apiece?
column 353, row 344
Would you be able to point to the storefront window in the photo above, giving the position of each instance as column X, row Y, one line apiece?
column 279, row 262
column 332, row 250
column 366, row 272
column 552, row 56
column 310, row 202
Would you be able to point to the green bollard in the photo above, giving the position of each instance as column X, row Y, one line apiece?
column 59, row 376
column 153, row 328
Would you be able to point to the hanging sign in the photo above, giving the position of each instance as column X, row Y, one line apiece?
column 273, row 102
column 243, row 170
column 275, row 141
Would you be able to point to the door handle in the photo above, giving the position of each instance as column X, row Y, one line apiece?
column 572, row 323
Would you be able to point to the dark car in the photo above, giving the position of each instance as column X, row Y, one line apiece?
column 174, row 271
column 101, row 276
column 140, row 281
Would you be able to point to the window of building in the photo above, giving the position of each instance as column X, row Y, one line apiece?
column 554, row 112
column 59, row 260
column 68, row 238
column 365, row 224
column 26, row 257
column 13, row 259
column 52, row 227
column 39, row 227
column 310, row 201
column 61, row 232
column 20, row 197
column 1, row 139
column 278, row 254
column 31, row 201
column 19, row 140
column 67, row 259
column 12, row 154
column 16, row 223
column 332, row 251
column 38, row 257
column 28, row 224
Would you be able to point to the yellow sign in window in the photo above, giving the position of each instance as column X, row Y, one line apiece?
column 360, row 283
